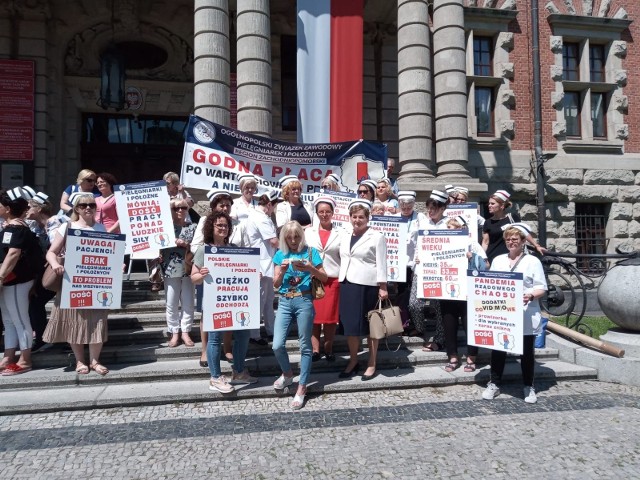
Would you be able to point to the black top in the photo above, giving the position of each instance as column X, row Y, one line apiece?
column 31, row 261
column 496, row 241
column 300, row 214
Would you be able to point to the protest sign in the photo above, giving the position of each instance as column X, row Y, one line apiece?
column 214, row 156
column 92, row 270
column 495, row 311
column 231, row 299
column 441, row 272
column 468, row 211
column 395, row 231
column 341, row 212
column 145, row 215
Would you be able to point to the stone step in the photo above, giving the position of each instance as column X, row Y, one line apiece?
column 171, row 382
column 168, row 363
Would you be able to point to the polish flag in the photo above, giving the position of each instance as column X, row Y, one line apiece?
column 330, row 70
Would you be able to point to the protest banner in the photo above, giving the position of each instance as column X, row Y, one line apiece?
column 495, row 310
column 395, row 231
column 214, row 156
column 92, row 270
column 443, row 264
column 145, row 215
column 468, row 211
column 231, row 299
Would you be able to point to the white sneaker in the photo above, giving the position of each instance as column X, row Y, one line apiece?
column 491, row 392
column 282, row 382
column 242, row 378
column 220, row 384
column 530, row 395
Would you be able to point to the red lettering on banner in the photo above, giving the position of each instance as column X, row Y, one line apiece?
column 81, row 298
column 222, row 320
column 316, row 175
column 93, row 260
column 244, row 167
column 199, row 156
column 483, row 337
column 432, row 289
column 140, row 246
column 302, row 174
column 275, row 171
column 258, row 171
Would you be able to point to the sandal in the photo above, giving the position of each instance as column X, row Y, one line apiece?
column 451, row 366
column 81, row 368
column 470, row 367
column 99, row 368
column 298, row 401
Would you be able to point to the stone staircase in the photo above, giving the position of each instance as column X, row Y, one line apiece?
column 144, row 370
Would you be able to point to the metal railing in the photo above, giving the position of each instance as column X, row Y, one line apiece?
column 569, row 277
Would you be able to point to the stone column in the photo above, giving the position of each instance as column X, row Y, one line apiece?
column 254, row 67
column 450, row 88
column 211, row 60
column 414, row 92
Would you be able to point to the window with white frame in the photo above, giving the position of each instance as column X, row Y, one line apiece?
column 489, row 70
column 589, row 78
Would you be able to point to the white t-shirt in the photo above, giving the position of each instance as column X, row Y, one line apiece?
column 532, row 279
column 260, row 229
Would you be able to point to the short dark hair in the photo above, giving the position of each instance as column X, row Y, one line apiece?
column 16, row 207
column 109, row 178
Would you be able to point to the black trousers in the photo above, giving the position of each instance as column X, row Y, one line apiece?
column 527, row 362
column 453, row 311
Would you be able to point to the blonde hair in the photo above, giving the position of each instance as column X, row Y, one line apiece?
column 452, row 222
column 286, row 190
column 330, row 185
column 83, row 197
column 377, row 205
column 175, row 202
column 171, row 177
column 82, row 174
column 295, row 228
column 387, row 190
column 513, row 230
column 506, row 203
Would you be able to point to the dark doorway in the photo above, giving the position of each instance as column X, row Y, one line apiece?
column 134, row 149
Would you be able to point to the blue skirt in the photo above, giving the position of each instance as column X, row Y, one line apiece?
column 355, row 303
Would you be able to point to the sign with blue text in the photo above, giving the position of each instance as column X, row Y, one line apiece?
column 495, row 313
column 231, row 299
column 144, row 212
column 395, row 231
column 92, row 270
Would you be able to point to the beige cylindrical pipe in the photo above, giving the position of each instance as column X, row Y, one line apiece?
column 586, row 340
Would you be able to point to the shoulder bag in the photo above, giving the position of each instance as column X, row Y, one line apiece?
column 384, row 321
column 317, row 288
column 50, row 280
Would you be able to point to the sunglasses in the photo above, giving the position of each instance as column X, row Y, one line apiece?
column 90, row 180
column 363, row 192
column 82, row 206
column 175, row 209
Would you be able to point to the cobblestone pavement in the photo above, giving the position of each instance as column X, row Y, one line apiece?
column 580, row 430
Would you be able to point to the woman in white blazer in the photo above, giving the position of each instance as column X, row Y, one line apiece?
column 326, row 239
column 363, row 279
column 293, row 208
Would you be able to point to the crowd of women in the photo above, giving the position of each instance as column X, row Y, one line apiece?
column 301, row 244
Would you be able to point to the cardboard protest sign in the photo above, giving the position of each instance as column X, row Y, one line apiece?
column 495, row 310
column 145, row 215
column 231, row 299
column 443, row 262
column 395, row 231
column 92, row 270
